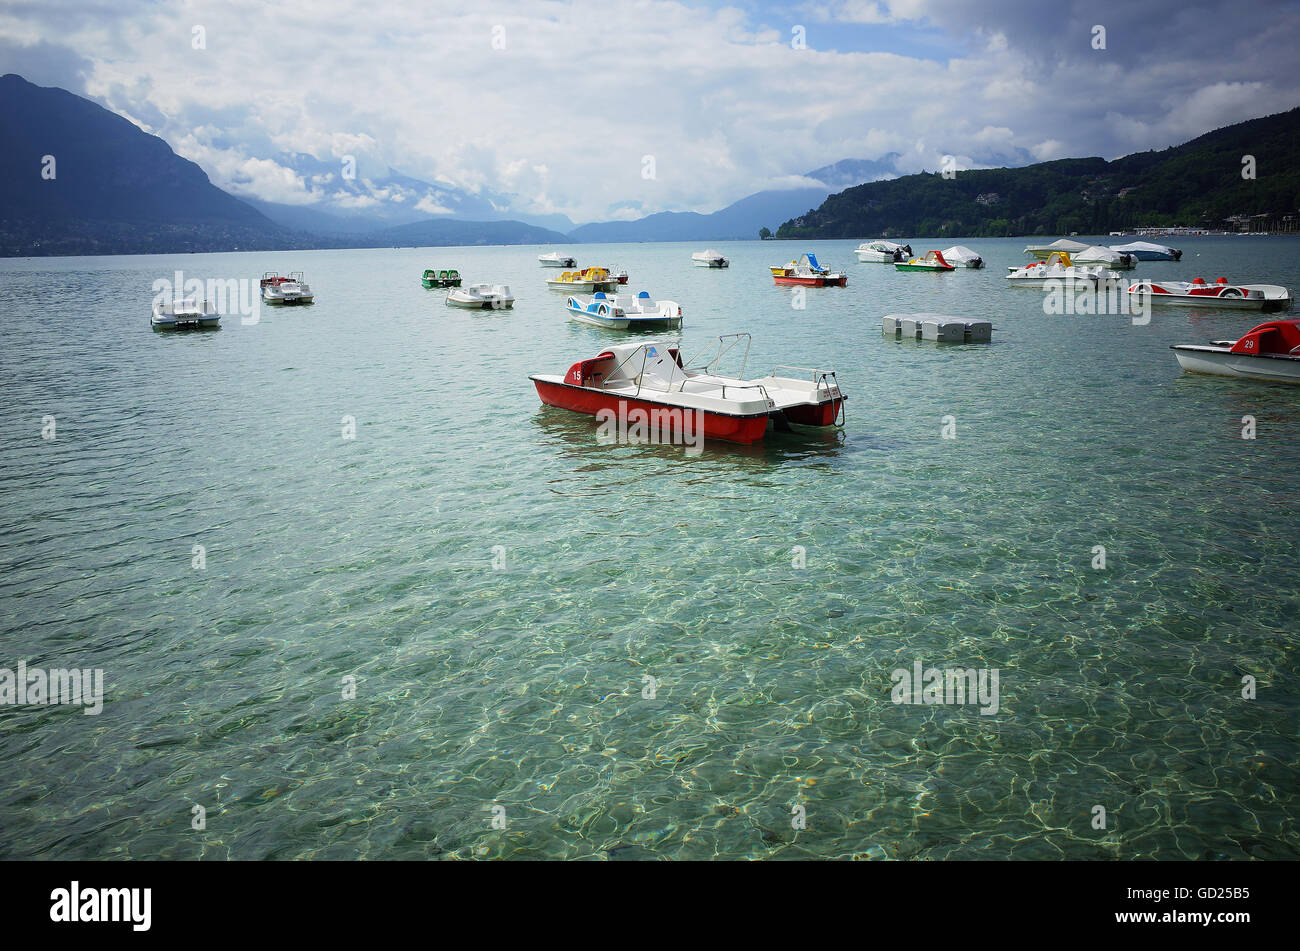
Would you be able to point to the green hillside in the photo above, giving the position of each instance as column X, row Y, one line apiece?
column 1197, row 184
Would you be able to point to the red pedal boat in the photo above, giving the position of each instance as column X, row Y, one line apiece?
column 650, row 378
column 1199, row 293
column 1270, row 351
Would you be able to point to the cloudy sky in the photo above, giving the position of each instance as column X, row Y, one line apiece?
column 559, row 103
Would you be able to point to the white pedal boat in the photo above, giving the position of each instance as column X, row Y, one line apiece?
column 277, row 289
column 709, row 258
column 481, row 297
column 590, row 280
column 1199, row 293
column 1270, row 351
column 184, row 314
column 882, row 252
column 624, row 313
column 1058, row 267
column 652, row 378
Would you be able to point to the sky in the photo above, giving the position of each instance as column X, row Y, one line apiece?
column 619, row 108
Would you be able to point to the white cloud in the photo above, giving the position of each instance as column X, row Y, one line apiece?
column 563, row 116
column 429, row 205
column 1049, row 149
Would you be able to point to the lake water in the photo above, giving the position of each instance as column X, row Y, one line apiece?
column 522, row 685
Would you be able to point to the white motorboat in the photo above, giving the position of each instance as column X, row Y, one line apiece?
column 277, row 289
column 186, row 314
column 1104, row 257
column 624, row 313
column 1147, row 251
column 882, row 252
column 1270, row 351
column 555, row 259
column 709, row 258
column 481, row 297
column 652, row 379
column 961, row 256
column 1044, row 251
column 1200, row 293
column 1059, row 268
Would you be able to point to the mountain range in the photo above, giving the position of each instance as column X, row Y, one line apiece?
column 113, row 188
column 1251, row 169
column 76, row 178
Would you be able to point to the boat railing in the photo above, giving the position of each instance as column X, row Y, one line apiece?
column 815, row 375
column 749, row 386
column 723, row 347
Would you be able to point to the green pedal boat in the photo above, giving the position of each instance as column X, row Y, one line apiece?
column 436, row 278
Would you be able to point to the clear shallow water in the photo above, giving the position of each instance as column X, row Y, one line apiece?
column 373, row 558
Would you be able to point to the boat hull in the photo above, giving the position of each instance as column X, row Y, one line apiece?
column 1205, row 300
column 589, row 287
column 481, row 304
column 580, row 399
column 625, row 321
column 1219, row 362
column 840, row 281
column 924, row 267
column 186, row 323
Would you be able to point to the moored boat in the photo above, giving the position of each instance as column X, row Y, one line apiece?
column 1044, row 251
column 1059, row 267
column 555, row 259
column 187, row 314
column 1200, row 293
column 591, row 279
column 807, row 271
column 619, row 274
column 1270, row 351
column 709, row 258
column 278, row 289
column 652, row 379
column 623, row 313
column 1097, row 255
column 1147, row 251
column 882, row 252
column 445, row 277
column 481, row 297
column 933, row 261
column 961, row 256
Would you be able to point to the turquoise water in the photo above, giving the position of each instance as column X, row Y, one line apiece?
column 523, row 687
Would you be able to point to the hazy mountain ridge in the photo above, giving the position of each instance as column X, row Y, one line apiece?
column 116, row 189
column 110, row 188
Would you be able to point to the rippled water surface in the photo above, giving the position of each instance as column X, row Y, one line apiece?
column 524, row 687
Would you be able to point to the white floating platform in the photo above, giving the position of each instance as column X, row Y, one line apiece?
column 939, row 327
